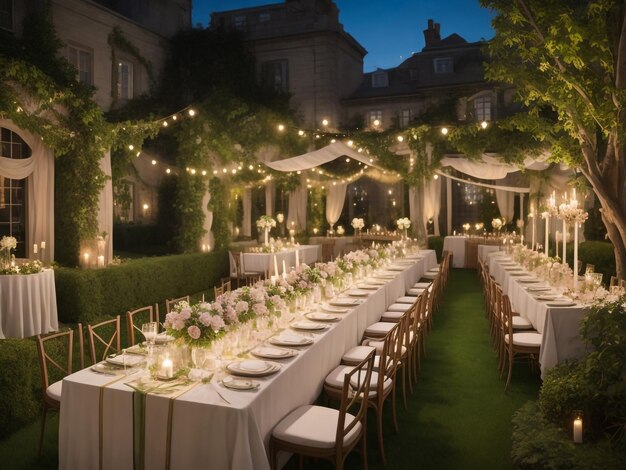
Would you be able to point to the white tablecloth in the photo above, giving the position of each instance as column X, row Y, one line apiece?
column 28, row 304
column 456, row 244
column 484, row 250
column 207, row 432
column 559, row 326
column 264, row 262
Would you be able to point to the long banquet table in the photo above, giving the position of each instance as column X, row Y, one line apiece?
column 264, row 262
column 28, row 304
column 559, row 326
column 96, row 423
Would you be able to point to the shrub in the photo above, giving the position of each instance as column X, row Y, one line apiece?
column 19, row 384
column 85, row 294
column 436, row 243
column 600, row 254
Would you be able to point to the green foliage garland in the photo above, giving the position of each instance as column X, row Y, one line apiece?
column 222, row 213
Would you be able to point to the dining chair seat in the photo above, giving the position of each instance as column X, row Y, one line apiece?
column 398, row 307
column 521, row 323
column 357, row 354
column 335, row 379
column 54, row 390
column 394, row 316
column 379, row 328
column 417, row 291
column 430, row 275
column 406, row 299
column 315, row 426
column 423, row 285
column 530, row 340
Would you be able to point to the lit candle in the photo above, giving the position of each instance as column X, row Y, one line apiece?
column 275, row 266
column 284, row 269
column 167, row 368
column 297, row 257
column 43, row 245
column 86, row 258
column 578, row 430
column 35, row 248
column 101, row 261
column 557, row 238
column 575, row 256
column 564, row 241
column 547, row 233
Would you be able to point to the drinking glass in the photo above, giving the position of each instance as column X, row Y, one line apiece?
column 149, row 331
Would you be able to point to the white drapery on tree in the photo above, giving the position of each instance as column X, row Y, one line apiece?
column 505, row 201
column 207, row 238
column 432, row 204
column 246, row 224
column 490, row 167
column 39, row 171
column 335, row 201
column 297, row 208
column 416, row 209
column 105, row 208
column 269, row 198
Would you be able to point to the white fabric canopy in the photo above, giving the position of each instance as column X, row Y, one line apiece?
column 490, row 167
column 39, row 171
column 505, row 200
column 318, row 157
column 335, row 202
column 432, row 203
column 297, row 208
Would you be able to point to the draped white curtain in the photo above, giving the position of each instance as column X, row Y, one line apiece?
column 505, row 200
column 207, row 238
column 105, row 207
column 335, row 202
column 39, row 171
column 297, row 208
column 246, row 223
column 414, row 209
column 432, row 203
column 269, row 198
column 491, row 168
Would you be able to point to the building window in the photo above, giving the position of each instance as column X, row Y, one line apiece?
column 6, row 15
column 482, row 108
column 124, row 80
column 82, row 59
column 405, row 118
column 264, row 17
column 443, row 65
column 13, row 192
column 380, row 80
column 275, row 75
column 375, row 118
column 240, row 23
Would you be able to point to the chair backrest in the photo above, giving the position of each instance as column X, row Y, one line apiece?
column 217, row 291
column 356, row 388
column 143, row 315
column 390, row 355
column 614, row 281
column 227, row 285
column 105, row 336
column 49, row 361
column 235, row 264
column 507, row 319
column 169, row 303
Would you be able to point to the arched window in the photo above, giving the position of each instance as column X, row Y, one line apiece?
column 13, row 204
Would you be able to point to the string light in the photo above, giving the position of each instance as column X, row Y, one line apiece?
column 324, row 122
column 154, row 162
column 444, row 130
column 484, row 124
column 281, row 127
column 400, row 138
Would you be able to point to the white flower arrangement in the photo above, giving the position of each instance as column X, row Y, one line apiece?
column 265, row 222
column 403, row 223
column 357, row 223
column 8, row 243
column 571, row 213
column 497, row 223
column 479, row 226
column 466, row 227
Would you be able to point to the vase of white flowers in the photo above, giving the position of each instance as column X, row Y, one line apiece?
column 357, row 225
column 403, row 224
column 7, row 244
column 265, row 223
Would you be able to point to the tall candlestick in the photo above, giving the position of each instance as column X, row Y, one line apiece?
column 564, row 241
column 284, row 269
column 35, row 248
column 547, row 233
column 275, row 266
column 556, row 238
column 532, row 246
column 43, row 245
column 575, row 255
column 297, row 257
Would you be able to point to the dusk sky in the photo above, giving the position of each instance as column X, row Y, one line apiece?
column 390, row 30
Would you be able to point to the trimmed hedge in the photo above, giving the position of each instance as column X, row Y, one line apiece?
column 86, row 294
column 436, row 243
column 20, row 387
column 600, row 254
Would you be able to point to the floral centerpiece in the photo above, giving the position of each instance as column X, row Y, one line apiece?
column 357, row 225
column 340, row 230
column 266, row 223
column 7, row 259
column 497, row 224
column 195, row 325
column 7, row 244
column 466, row 227
column 571, row 213
column 403, row 224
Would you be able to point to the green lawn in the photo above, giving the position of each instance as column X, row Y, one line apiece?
column 458, row 417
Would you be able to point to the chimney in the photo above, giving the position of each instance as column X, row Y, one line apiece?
column 431, row 35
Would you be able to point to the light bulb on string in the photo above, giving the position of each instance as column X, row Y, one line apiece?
column 444, row 130
column 281, row 127
column 191, row 112
column 324, row 122
column 484, row 124
column 400, row 138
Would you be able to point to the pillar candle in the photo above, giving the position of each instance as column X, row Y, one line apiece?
column 167, row 368
column 275, row 266
column 575, row 255
column 547, row 233
column 35, row 248
column 297, row 257
column 564, row 241
column 284, row 269
column 578, row 430
column 43, row 245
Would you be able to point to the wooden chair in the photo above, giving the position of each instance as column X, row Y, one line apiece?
column 51, row 398
column 147, row 316
column 224, row 287
column 105, row 335
column 169, row 303
column 309, row 430
column 525, row 344
column 238, row 271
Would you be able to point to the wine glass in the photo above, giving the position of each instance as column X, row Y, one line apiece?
column 149, row 331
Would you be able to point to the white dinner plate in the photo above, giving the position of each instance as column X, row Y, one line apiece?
column 374, row 282
column 163, row 338
column 358, row 293
column 344, row 302
column 239, row 384
column 246, row 369
column 396, row 268
column 289, row 339
column 139, row 349
column 125, row 360
column 561, row 303
column 546, row 297
column 308, row 326
column 539, row 289
column 368, row 287
column 317, row 316
column 385, row 276
column 268, row 352
column 331, row 309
